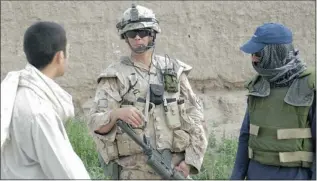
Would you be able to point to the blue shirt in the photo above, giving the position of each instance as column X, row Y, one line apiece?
column 253, row 170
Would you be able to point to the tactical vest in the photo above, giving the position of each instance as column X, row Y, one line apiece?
column 167, row 121
column 280, row 133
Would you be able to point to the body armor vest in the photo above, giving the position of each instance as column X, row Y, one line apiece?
column 280, row 133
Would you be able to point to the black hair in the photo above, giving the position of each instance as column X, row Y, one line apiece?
column 42, row 41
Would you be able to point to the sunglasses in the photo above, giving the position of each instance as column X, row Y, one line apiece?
column 141, row 33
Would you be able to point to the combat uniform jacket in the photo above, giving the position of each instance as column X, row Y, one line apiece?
column 178, row 126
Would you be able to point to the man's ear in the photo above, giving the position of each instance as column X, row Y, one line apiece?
column 59, row 57
column 125, row 38
column 151, row 38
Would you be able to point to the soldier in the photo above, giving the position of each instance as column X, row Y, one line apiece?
column 153, row 95
column 278, row 134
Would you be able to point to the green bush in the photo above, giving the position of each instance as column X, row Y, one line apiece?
column 218, row 161
column 84, row 146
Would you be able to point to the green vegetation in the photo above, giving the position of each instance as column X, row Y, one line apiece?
column 218, row 162
column 219, row 159
column 84, row 146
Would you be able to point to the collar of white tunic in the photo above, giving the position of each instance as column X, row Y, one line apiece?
column 32, row 78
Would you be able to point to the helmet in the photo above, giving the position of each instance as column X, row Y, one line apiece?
column 137, row 17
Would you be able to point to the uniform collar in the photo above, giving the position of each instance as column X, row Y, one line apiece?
column 140, row 65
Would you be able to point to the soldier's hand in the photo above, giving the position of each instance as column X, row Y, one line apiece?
column 184, row 168
column 130, row 115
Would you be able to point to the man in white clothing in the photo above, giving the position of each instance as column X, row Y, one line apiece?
column 34, row 143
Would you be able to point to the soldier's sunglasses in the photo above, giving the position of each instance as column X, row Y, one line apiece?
column 142, row 33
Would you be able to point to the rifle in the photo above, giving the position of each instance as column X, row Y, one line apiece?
column 159, row 162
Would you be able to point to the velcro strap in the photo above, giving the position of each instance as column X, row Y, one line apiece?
column 254, row 129
column 293, row 133
column 250, row 152
column 303, row 156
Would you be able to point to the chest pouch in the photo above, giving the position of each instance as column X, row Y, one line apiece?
column 156, row 94
column 170, row 81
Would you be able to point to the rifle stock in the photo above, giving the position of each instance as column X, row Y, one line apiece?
column 156, row 160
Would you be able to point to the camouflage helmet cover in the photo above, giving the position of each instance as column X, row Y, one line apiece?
column 138, row 17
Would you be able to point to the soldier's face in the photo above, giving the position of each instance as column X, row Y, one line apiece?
column 138, row 38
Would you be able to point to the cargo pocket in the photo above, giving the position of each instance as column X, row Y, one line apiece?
column 106, row 145
column 172, row 114
column 186, row 122
column 108, row 150
column 112, row 150
column 126, row 146
column 180, row 140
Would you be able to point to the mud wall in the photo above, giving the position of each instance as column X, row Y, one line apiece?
column 204, row 34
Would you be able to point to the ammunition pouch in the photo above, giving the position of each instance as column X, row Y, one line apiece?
column 172, row 114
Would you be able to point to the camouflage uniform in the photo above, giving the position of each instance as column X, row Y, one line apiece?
column 178, row 126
